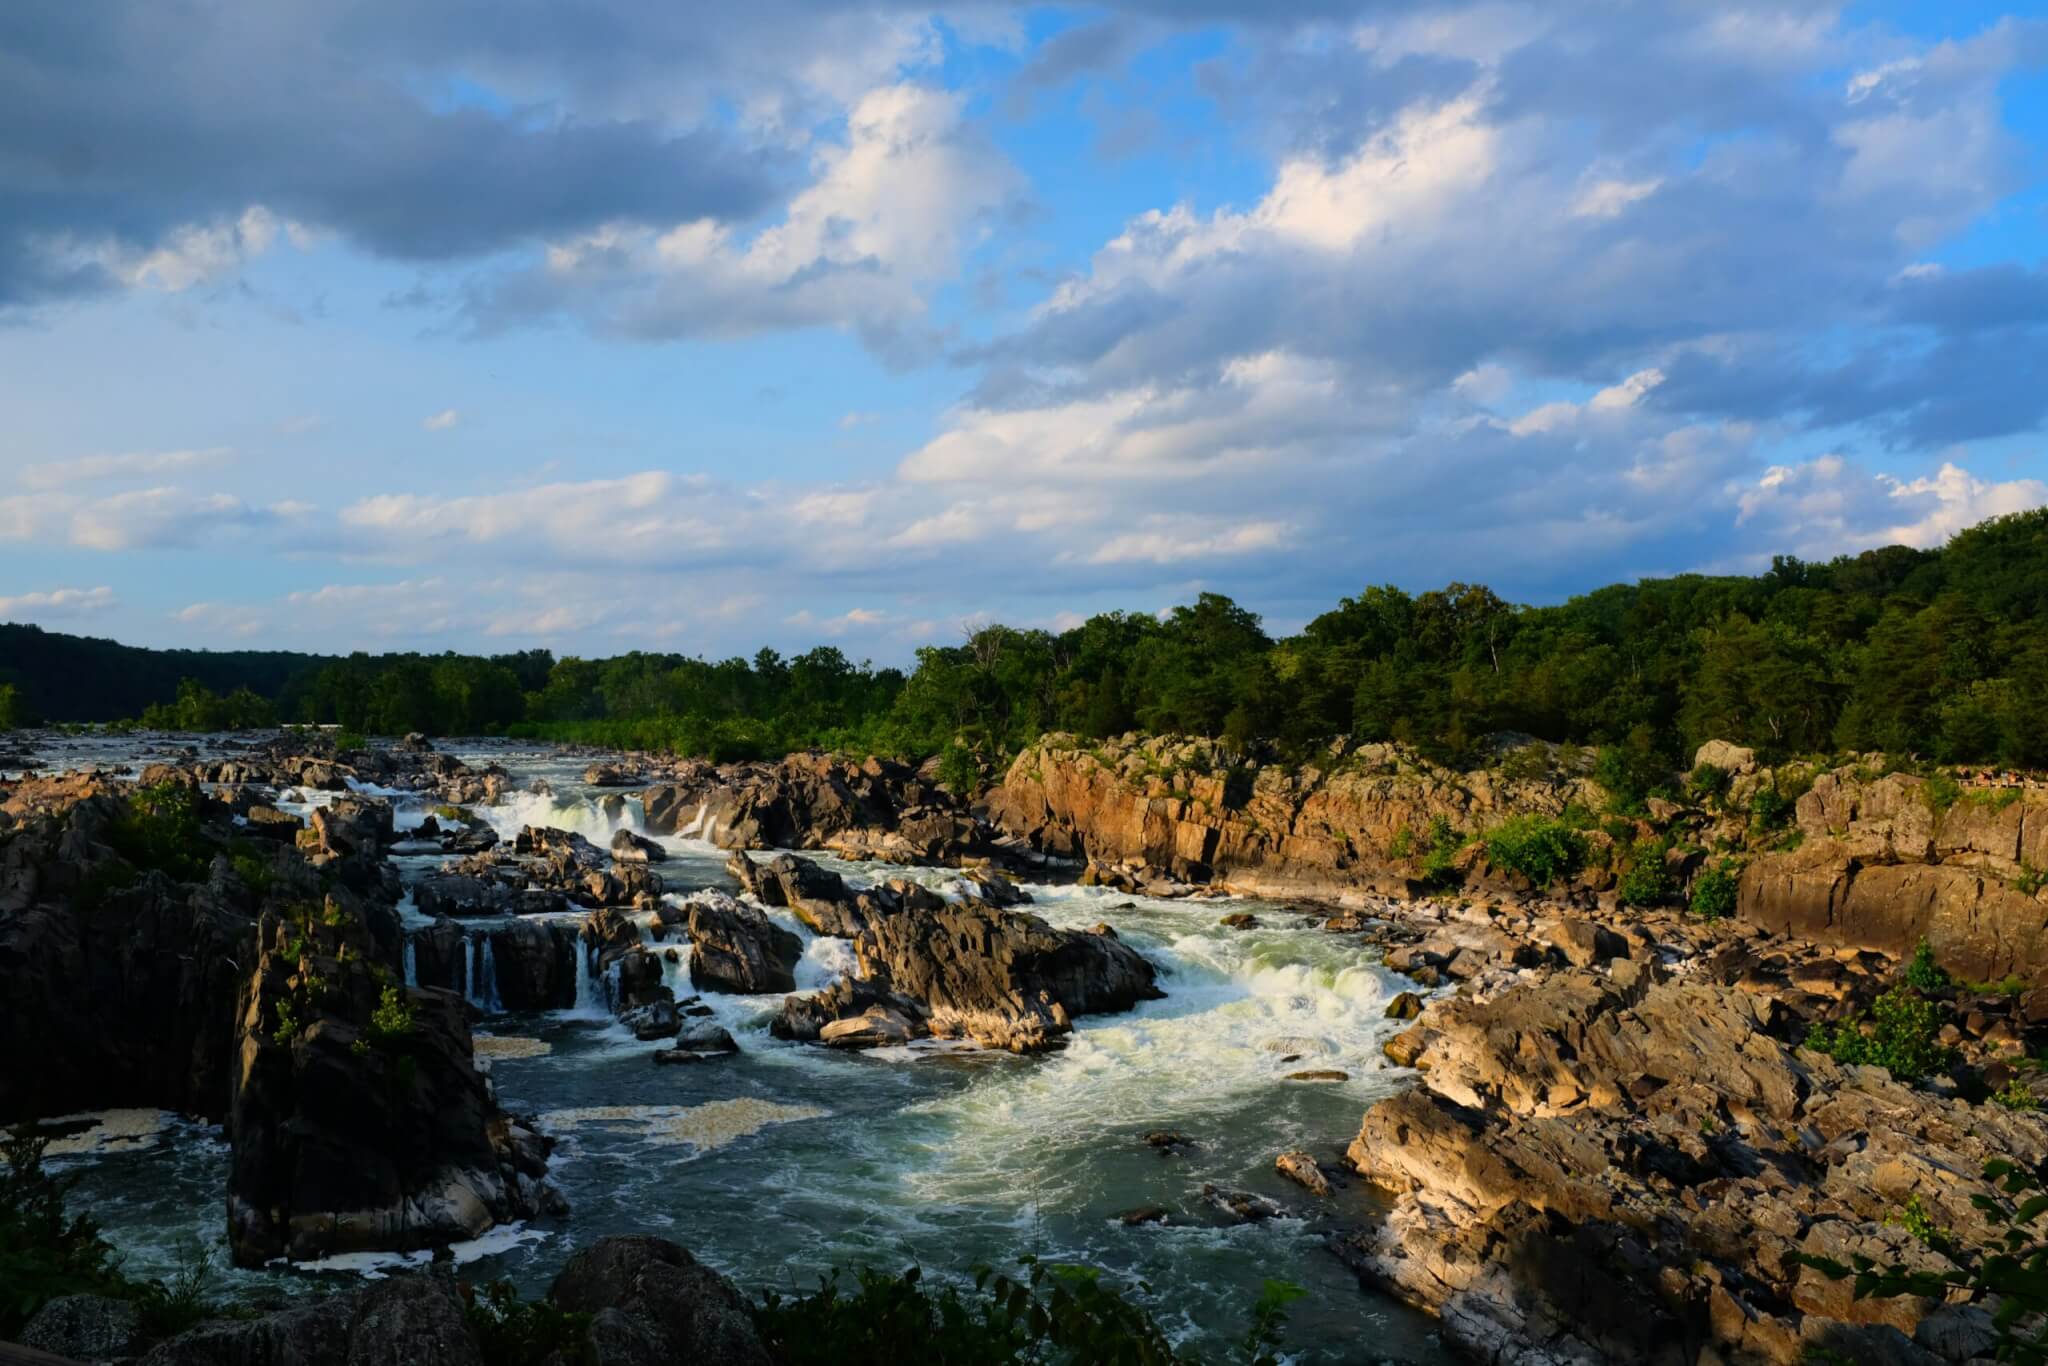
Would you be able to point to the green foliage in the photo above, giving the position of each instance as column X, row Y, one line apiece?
column 159, row 830
column 958, row 770
column 1940, row 792
column 510, row 1331
column 1539, row 848
column 1048, row 1313
column 1769, row 809
column 2008, row 1275
column 1901, row 1037
column 2015, row 1095
column 1647, row 879
column 1439, row 860
column 1714, row 891
column 1708, row 784
column 1402, row 845
column 13, row 708
column 1914, row 1218
column 393, row 1018
column 1925, row 975
column 44, row 1253
column 2028, row 880
column 288, row 1022
column 349, row 741
column 1935, row 653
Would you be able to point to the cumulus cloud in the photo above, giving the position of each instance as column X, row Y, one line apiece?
column 443, row 421
column 889, row 212
column 57, row 602
column 1830, row 505
column 151, row 518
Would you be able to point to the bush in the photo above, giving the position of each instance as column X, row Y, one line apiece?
column 958, row 770
column 1901, row 1038
column 1439, row 861
column 1925, row 975
column 1709, row 784
column 1714, row 891
column 1540, row 849
column 1770, row 809
column 510, row 1331
column 160, row 831
column 44, row 1253
column 1647, row 880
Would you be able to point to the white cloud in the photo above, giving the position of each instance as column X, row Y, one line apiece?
column 135, row 465
column 1830, row 506
column 238, row 621
column 57, row 602
column 849, row 421
column 442, row 421
column 889, row 213
column 194, row 254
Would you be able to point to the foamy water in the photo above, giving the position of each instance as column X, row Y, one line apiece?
column 788, row 1159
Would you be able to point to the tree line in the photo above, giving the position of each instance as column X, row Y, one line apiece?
column 1940, row 653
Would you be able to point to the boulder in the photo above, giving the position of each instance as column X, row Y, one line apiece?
column 1729, row 758
column 689, row 1312
column 1302, row 1169
column 819, row 898
column 1002, row 978
column 738, row 949
column 628, row 847
column 85, row 1328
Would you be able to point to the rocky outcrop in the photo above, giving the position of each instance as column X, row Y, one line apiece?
column 1335, row 829
column 823, row 901
column 735, row 948
column 1886, row 861
column 875, row 809
column 653, row 1295
column 1602, row 1165
column 358, row 1118
column 1003, row 979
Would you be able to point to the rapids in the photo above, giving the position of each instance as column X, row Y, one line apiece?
column 788, row 1159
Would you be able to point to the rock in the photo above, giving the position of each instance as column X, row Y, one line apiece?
column 819, row 898
column 875, row 1027
column 393, row 1145
column 1406, row 1005
column 693, row 1313
column 1241, row 920
column 1002, row 978
column 1583, row 943
column 737, row 948
column 628, row 847
column 609, row 775
column 85, row 1328
column 1300, row 1168
column 1729, row 758
column 1144, row 1214
column 1242, row 1206
column 703, row 1038
column 1319, row 1074
column 351, row 826
column 1168, row 1141
column 655, row 1020
column 402, row 1321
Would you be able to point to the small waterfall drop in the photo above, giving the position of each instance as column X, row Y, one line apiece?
column 483, row 976
column 412, row 964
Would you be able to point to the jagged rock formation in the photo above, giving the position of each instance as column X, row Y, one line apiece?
column 735, row 948
column 954, row 969
column 875, row 809
column 359, row 1120
column 1607, row 1166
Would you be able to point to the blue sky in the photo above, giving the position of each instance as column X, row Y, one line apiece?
column 615, row 325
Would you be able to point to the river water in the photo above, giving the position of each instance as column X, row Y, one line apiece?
column 789, row 1159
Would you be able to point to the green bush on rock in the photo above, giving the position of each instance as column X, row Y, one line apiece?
column 1539, row 848
column 1901, row 1038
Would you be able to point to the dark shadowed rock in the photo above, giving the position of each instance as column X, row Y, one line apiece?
column 695, row 1314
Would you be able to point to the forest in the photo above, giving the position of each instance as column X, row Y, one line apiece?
column 1940, row 654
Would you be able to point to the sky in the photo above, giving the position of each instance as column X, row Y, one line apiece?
column 611, row 324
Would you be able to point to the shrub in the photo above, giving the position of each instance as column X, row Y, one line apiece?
column 2029, row 880
column 958, row 770
column 1439, row 867
column 510, row 1331
column 1901, row 1038
column 1647, row 880
column 43, row 1252
column 1769, row 808
column 1540, row 849
column 393, row 1018
column 1709, row 784
column 1714, row 891
column 2014, row 1095
column 1402, row 844
column 1940, row 792
column 159, row 830
column 1923, row 974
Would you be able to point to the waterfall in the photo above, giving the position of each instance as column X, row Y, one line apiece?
column 482, row 988
column 412, row 964
column 588, row 1002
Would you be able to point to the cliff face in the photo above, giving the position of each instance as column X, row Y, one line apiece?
column 1335, row 830
column 1886, row 861
column 1877, row 861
